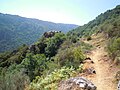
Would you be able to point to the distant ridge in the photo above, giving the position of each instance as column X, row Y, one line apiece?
column 16, row 30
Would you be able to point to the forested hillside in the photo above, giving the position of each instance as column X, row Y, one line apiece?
column 57, row 61
column 16, row 30
column 55, row 55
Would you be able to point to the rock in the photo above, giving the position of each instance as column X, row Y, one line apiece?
column 50, row 33
column 117, row 61
column 111, row 66
column 88, row 52
column 117, row 76
column 79, row 82
column 88, row 58
column 94, row 71
column 105, row 55
column 32, row 48
column 118, row 85
column 14, row 52
column 88, row 61
column 90, row 70
column 92, row 62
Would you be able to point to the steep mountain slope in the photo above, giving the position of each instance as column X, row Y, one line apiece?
column 107, row 19
column 107, row 23
column 106, row 52
column 46, row 64
column 16, row 30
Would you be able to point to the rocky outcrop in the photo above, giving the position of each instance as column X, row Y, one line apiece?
column 34, row 49
column 39, row 47
column 77, row 83
column 50, row 33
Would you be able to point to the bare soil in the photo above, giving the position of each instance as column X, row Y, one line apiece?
column 104, row 78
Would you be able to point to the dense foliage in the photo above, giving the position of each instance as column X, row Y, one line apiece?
column 34, row 65
column 114, row 49
column 13, row 78
column 46, row 63
column 16, row 30
column 70, row 55
column 50, row 82
column 53, row 44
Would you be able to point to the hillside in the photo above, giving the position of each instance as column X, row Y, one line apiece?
column 16, row 30
column 98, row 67
column 107, row 23
column 109, row 18
column 86, row 58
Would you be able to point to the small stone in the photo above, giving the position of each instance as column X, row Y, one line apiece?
column 118, row 85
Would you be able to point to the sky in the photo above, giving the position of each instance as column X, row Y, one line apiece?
column 59, row 11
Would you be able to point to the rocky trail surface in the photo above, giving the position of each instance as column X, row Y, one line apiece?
column 105, row 72
column 104, row 79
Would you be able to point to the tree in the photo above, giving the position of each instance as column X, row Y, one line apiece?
column 34, row 65
column 54, row 43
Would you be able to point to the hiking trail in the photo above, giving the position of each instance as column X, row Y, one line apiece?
column 104, row 78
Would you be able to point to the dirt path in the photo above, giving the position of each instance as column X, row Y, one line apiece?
column 104, row 78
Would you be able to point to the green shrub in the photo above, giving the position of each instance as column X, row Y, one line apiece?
column 13, row 79
column 54, row 43
column 34, row 65
column 114, row 48
column 73, row 38
column 72, row 56
column 78, row 54
column 16, row 56
column 50, row 82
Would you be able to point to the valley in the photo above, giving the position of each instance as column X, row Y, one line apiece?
column 42, row 55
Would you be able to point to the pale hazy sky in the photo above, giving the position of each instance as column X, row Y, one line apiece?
column 60, row 11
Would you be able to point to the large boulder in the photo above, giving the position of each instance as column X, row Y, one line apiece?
column 77, row 83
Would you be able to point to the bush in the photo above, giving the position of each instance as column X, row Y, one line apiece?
column 114, row 48
column 34, row 65
column 13, row 79
column 50, row 82
column 73, row 39
column 54, row 43
column 16, row 56
column 72, row 56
